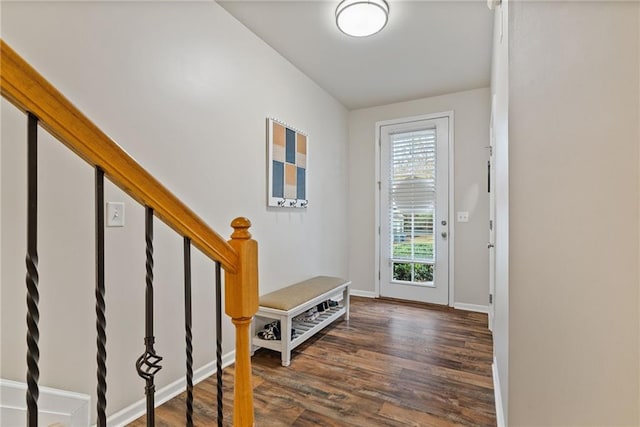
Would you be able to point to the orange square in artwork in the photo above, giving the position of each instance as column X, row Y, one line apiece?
column 302, row 144
column 291, row 174
column 278, row 134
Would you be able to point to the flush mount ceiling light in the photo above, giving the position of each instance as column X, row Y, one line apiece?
column 361, row 18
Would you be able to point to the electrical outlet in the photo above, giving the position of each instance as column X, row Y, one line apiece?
column 115, row 214
column 462, row 216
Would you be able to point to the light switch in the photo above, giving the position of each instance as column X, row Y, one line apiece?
column 462, row 216
column 115, row 214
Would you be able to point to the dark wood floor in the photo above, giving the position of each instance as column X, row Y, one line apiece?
column 392, row 364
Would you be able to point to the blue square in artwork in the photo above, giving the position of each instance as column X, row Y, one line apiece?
column 290, row 146
column 277, row 180
column 302, row 184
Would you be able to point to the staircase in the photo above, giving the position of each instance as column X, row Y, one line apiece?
column 46, row 108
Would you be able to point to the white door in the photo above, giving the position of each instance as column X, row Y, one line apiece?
column 492, row 221
column 414, row 210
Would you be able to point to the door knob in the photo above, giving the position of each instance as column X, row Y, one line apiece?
column 444, row 234
column 490, row 245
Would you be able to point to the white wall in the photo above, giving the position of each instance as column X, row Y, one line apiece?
column 471, row 136
column 573, row 197
column 500, row 97
column 185, row 89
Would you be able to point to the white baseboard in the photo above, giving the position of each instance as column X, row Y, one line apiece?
column 138, row 409
column 471, row 307
column 498, row 395
column 365, row 294
column 55, row 407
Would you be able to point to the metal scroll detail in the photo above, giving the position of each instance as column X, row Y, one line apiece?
column 148, row 364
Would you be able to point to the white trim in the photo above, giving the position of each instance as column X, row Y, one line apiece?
column 471, row 307
column 54, row 406
column 365, row 294
column 492, row 213
column 138, row 409
column 452, row 199
column 497, row 395
column 376, row 211
column 451, row 116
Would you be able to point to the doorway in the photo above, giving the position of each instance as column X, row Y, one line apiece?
column 414, row 243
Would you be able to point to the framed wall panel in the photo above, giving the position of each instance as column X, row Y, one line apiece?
column 287, row 164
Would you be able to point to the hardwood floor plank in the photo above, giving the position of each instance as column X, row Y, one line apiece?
column 409, row 417
column 392, row 364
column 311, row 418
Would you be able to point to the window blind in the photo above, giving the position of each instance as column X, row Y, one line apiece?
column 412, row 195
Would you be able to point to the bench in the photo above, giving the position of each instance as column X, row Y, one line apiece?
column 286, row 303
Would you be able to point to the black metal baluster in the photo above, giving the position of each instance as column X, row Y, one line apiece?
column 148, row 364
column 32, row 278
column 219, row 341
column 187, row 327
column 101, row 322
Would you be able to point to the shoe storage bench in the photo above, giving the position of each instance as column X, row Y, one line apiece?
column 286, row 303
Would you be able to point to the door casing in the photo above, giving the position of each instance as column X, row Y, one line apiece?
column 377, row 184
column 492, row 218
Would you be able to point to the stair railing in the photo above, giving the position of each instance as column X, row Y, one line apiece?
column 46, row 107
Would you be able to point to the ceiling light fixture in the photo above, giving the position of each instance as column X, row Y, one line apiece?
column 361, row 18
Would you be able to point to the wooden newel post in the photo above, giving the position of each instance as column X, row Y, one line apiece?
column 241, row 302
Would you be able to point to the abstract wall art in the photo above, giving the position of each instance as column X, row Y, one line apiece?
column 288, row 160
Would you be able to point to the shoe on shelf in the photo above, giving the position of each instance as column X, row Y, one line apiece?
column 271, row 331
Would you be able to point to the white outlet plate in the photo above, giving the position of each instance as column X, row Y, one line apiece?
column 462, row 216
column 115, row 214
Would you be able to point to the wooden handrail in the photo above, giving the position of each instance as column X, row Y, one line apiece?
column 24, row 87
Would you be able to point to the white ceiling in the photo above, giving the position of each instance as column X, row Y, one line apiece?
column 428, row 48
